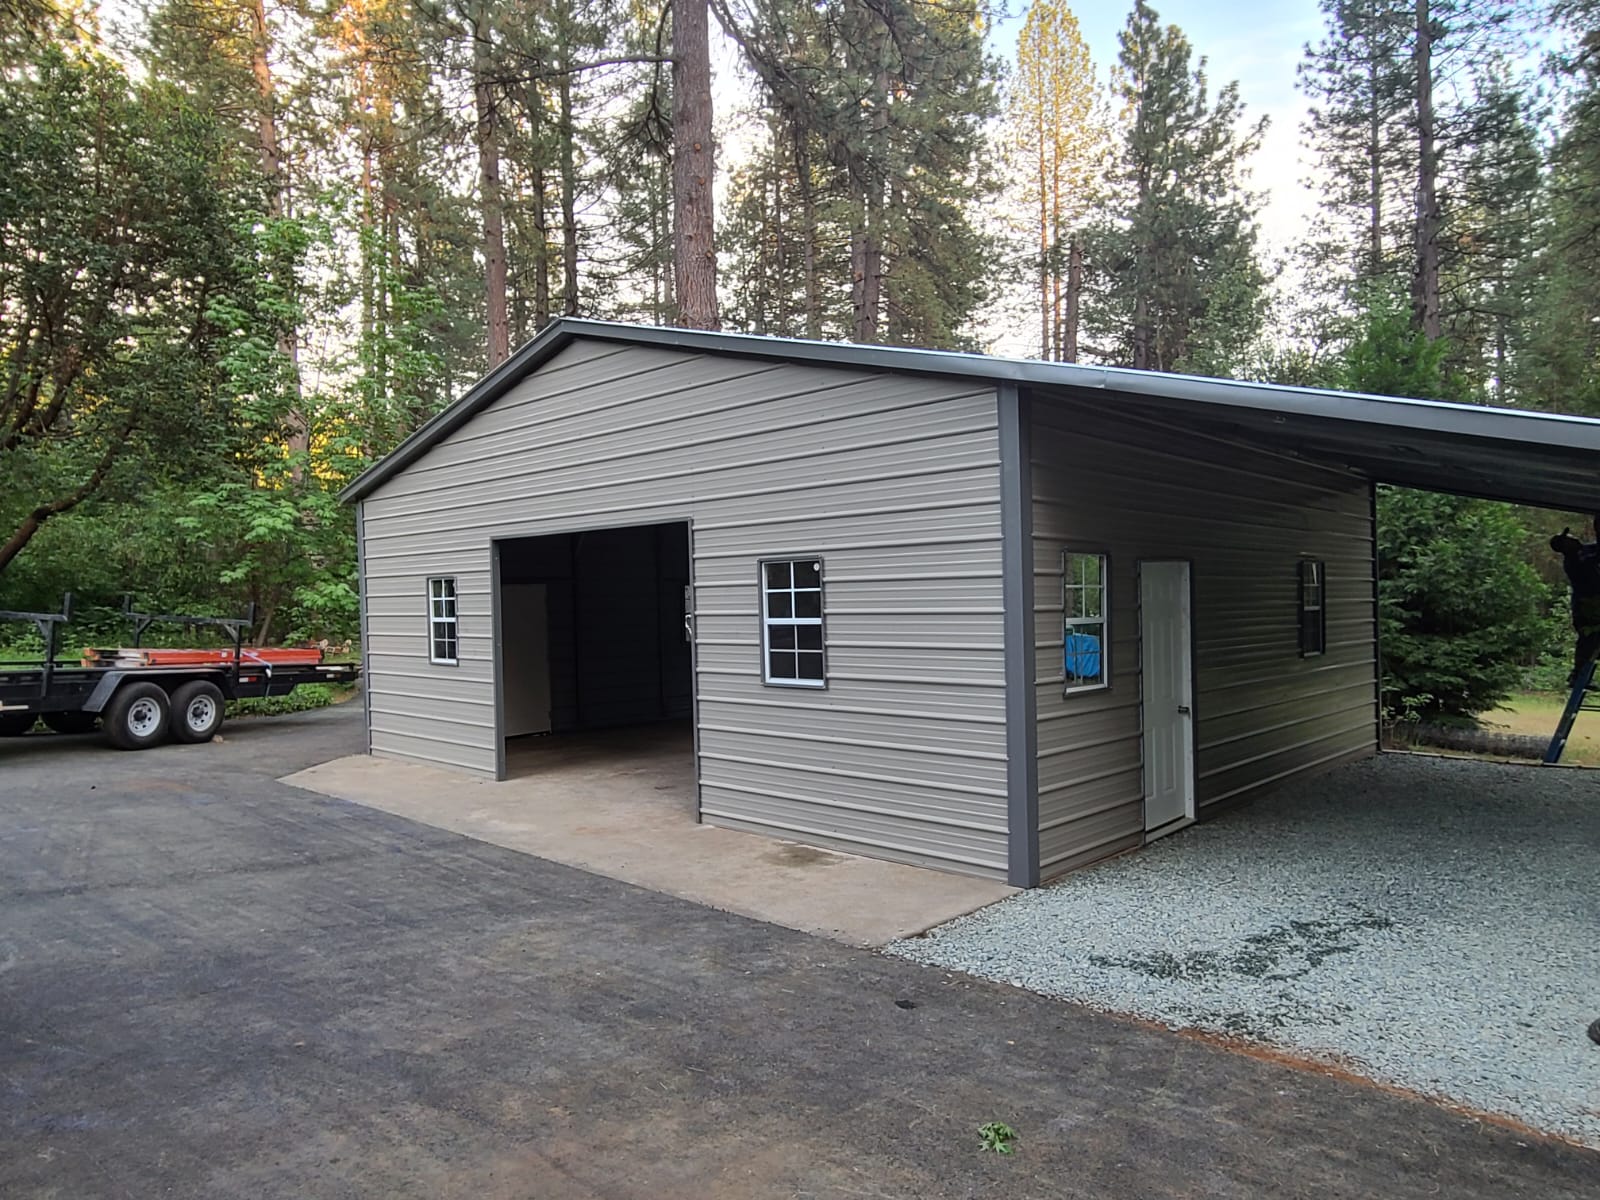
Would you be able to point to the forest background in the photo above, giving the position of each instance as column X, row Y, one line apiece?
column 247, row 246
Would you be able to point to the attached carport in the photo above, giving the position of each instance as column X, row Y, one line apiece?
column 1543, row 460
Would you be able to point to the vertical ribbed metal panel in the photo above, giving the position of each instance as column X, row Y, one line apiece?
column 892, row 481
column 1243, row 518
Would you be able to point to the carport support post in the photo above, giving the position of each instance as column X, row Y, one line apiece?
column 1022, row 706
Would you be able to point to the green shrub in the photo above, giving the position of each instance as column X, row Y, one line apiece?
column 304, row 698
column 1461, row 612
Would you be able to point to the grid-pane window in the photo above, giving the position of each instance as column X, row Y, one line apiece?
column 791, row 622
column 442, row 620
column 1083, row 620
column 1313, row 606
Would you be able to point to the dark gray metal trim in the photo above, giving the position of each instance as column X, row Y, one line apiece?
column 1022, row 704
column 1515, row 426
column 1377, row 626
column 361, row 599
column 693, row 625
column 495, row 605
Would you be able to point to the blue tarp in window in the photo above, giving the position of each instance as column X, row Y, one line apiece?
column 1082, row 657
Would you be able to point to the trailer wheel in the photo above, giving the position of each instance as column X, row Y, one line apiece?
column 15, row 724
column 196, row 711
column 71, row 722
column 137, row 717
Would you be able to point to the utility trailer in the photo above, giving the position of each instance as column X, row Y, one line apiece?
column 142, row 698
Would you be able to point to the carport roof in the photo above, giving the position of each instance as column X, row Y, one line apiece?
column 1537, row 458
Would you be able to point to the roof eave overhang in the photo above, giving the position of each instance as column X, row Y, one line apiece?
column 1279, row 406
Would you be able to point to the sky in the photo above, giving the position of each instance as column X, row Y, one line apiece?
column 1260, row 43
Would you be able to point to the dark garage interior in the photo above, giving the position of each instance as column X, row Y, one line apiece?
column 592, row 630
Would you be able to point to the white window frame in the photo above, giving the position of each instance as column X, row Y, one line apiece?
column 1306, row 581
column 443, row 619
column 769, row 622
column 1070, row 625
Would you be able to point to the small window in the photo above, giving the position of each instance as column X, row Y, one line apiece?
column 1313, row 607
column 791, row 622
column 442, row 621
column 1083, row 621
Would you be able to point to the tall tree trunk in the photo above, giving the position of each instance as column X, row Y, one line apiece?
column 1069, row 332
column 866, row 250
column 1425, row 283
column 1375, row 172
column 694, row 257
column 288, row 342
column 866, row 267
column 489, row 194
column 541, row 257
column 569, row 194
column 808, row 237
column 780, row 245
column 1058, row 347
column 371, row 251
column 1046, row 330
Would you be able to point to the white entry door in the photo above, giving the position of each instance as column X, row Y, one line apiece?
column 525, row 658
column 1168, row 696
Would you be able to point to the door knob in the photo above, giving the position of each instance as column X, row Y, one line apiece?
column 1184, row 709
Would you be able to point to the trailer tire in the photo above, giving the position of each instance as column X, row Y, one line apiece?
column 138, row 716
column 16, row 724
column 71, row 722
column 196, row 712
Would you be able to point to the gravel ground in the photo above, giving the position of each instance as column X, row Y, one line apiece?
column 1431, row 923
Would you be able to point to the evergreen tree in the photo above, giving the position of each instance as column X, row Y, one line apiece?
column 1394, row 122
column 884, row 106
column 1359, row 85
column 1494, row 220
column 1176, row 283
column 1560, row 367
column 1059, row 137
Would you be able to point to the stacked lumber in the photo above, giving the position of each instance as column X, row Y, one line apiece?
column 139, row 656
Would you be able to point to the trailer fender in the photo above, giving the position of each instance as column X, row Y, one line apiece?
column 101, row 696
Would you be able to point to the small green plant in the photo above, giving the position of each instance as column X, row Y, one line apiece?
column 304, row 698
column 998, row 1137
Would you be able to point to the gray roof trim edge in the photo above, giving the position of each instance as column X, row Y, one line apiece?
column 1468, row 420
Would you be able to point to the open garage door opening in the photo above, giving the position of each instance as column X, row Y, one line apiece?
column 595, row 659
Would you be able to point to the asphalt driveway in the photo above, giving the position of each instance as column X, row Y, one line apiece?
column 215, row 985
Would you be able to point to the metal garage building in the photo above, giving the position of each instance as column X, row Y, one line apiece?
column 995, row 616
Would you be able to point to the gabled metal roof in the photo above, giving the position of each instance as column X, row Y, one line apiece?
column 1542, row 459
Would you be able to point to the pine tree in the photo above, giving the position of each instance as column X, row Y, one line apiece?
column 694, row 252
column 1560, row 366
column 1177, row 284
column 883, row 106
column 1058, row 134
column 1393, row 122
column 1358, row 81
column 1493, row 222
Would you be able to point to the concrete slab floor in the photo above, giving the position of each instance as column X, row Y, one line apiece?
column 621, row 803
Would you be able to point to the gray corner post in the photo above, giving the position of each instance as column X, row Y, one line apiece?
column 1022, row 706
column 364, row 603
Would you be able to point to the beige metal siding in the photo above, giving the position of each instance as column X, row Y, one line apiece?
column 1243, row 518
column 892, row 481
